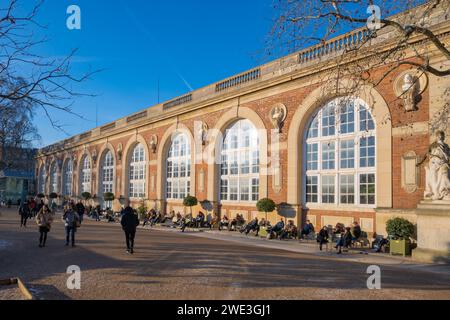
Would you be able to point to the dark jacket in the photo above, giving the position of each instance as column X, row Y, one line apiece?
column 129, row 220
column 79, row 208
column 323, row 235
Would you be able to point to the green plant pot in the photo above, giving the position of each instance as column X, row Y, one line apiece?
column 400, row 247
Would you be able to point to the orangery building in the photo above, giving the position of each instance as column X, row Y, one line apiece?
column 323, row 147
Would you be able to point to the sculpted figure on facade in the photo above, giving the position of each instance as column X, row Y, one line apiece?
column 437, row 170
column 277, row 116
column 410, row 93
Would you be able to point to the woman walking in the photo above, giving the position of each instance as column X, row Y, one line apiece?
column 72, row 222
column 44, row 220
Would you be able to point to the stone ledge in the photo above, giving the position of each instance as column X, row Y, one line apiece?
column 431, row 256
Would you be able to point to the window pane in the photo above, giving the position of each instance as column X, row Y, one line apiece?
column 328, row 155
column 367, row 152
column 347, row 117
column 347, row 154
column 328, row 189
column 328, row 120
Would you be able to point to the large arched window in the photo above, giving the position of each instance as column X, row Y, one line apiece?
column 54, row 178
column 239, row 172
column 340, row 155
column 178, row 173
column 107, row 176
column 137, row 172
column 41, row 180
column 67, row 177
column 86, row 175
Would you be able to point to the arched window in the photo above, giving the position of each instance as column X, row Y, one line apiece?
column 54, row 179
column 67, row 177
column 137, row 172
column 178, row 174
column 340, row 155
column 107, row 176
column 239, row 173
column 86, row 175
column 41, row 180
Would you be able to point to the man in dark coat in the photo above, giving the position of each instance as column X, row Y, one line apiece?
column 24, row 211
column 129, row 224
column 79, row 208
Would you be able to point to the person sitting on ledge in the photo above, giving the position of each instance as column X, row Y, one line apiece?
column 252, row 226
column 307, row 229
column 110, row 215
column 323, row 237
column 345, row 241
column 169, row 217
column 290, row 231
column 157, row 219
column 200, row 220
column 275, row 231
column 178, row 218
column 355, row 231
column 236, row 222
column 224, row 222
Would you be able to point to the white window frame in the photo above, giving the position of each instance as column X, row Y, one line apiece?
column 86, row 175
column 179, row 161
column 68, row 178
column 107, row 177
column 137, row 182
column 243, row 148
column 357, row 135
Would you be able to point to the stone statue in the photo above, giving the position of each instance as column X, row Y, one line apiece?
column 410, row 93
column 278, row 115
column 437, row 170
column 203, row 132
column 119, row 151
column 154, row 143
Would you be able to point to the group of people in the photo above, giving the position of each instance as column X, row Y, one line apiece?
column 73, row 217
column 28, row 209
column 345, row 235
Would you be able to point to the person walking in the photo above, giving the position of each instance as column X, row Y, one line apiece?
column 72, row 222
column 44, row 220
column 24, row 212
column 129, row 224
column 80, row 209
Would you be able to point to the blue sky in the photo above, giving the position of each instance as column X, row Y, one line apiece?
column 186, row 44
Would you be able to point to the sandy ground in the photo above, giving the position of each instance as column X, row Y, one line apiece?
column 171, row 265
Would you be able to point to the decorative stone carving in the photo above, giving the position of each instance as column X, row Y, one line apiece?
column 154, row 143
column 409, row 86
column 410, row 172
column 119, row 152
column 278, row 115
column 437, row 170
column 94, row 157
column 203, row 132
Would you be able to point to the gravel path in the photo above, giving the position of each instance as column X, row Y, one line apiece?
column 169, row 265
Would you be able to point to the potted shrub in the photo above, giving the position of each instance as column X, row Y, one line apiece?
column 108, row 196
column 142, row 211
column 190, row 202
column 266, row 205
column 400, row 231
column 41, row 196
column 53, row 196
column 86, row 196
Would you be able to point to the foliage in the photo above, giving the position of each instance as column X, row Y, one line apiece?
column 86, row 195
column 190, row 201
column 41, row 195
column 399, row 228
column 108, row 196
column 53, row 195
column 142, row 211
column 266, row 205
